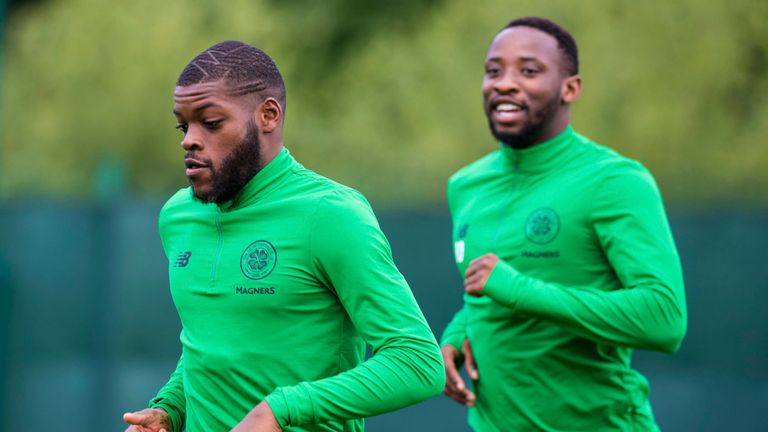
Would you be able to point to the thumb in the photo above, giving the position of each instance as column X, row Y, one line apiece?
column 451, row 373
column 135, row 418
column 453, row 376
column 469, row 361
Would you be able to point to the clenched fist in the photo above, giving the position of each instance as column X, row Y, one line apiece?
column 478, row 272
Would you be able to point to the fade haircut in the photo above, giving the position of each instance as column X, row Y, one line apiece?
column 245, row 68
column 565, row 41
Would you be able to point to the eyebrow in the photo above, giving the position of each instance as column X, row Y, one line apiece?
column 202, row 107
column 525, row 59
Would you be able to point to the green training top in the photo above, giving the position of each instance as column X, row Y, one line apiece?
column 278, row 291
column 588, row 271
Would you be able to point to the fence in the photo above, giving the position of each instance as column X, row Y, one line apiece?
column 88, row 330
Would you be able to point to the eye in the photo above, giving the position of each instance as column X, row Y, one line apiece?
column 527, row 71
column 183, row 127
column 492, row 71
column 211, row 124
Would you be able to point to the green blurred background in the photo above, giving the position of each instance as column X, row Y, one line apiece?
column 385, row 97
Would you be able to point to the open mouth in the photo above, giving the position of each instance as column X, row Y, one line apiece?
column 194, row 166
column 507, row 111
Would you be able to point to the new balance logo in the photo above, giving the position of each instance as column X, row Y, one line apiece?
column 183, row 259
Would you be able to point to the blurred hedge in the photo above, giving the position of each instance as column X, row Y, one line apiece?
column 383, row 96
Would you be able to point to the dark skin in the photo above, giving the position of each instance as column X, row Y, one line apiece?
column 524, row 70
column 214, row 122
column 525, row 83
column 148, row 420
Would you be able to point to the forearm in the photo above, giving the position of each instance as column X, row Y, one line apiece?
column 353, row 258
column 261, row 418
column 456, row 330
column 395, row 377
column 645, row 316
column 171, row 398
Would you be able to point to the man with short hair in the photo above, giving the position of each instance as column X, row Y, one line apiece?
column 280, row 276
column 567, row 255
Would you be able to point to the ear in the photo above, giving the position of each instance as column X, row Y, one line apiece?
column 269, row 115
column 571, row 89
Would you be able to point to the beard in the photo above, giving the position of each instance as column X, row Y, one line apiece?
column 532, row 130
column 237, row 169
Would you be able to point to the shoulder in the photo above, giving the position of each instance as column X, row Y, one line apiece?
column 178, row 202
column 469, row 172
column 330, row 205
column 328, row 195
column 182, row 206
column 344, row 205
column 610, row 165
column 179, row 199
column 343, row 222
column 617, row 178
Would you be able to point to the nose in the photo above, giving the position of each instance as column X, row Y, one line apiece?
column 506, row 83
column 191, row 140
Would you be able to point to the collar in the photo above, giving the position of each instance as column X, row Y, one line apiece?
column 261, row 183
column 542, row 156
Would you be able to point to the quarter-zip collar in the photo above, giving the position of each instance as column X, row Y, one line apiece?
column 541, row 157
column 263, row 182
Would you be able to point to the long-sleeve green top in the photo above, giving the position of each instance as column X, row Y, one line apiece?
column 278, row 292
column 588, row 271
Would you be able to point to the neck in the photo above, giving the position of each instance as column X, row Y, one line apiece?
column 271, row 145
column 554, row 128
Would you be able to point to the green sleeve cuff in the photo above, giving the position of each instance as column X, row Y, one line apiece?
column 292, row 406
column 177, row 421
column 501, row 285
column 454, row 342
column 279, row 407
column 456, row 331
column 454, row 337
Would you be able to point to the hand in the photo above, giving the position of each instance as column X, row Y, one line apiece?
column 454, row 384
column 259, row 419
column 478, row 272
column 148, row 420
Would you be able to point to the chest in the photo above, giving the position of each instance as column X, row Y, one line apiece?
column 540, row 224
column 254, row 261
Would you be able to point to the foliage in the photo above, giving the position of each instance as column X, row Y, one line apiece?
column 384, row 96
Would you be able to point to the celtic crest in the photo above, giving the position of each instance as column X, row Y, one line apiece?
column 258, row 260
column 542, row 226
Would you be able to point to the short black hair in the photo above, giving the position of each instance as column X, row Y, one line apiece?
column 565, row 41
column 245, row 68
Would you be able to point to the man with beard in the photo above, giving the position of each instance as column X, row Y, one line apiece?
column 280, row 276
column 567, row 257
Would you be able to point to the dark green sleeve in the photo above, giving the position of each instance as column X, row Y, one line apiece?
column 456, row 330
column 649, row 312
column 353, row 257
column 171, row 397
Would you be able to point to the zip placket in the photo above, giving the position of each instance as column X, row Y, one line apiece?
column 502, row 211
column 217, row 254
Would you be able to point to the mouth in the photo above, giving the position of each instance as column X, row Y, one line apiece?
column 507, row 111
column 195, row 167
